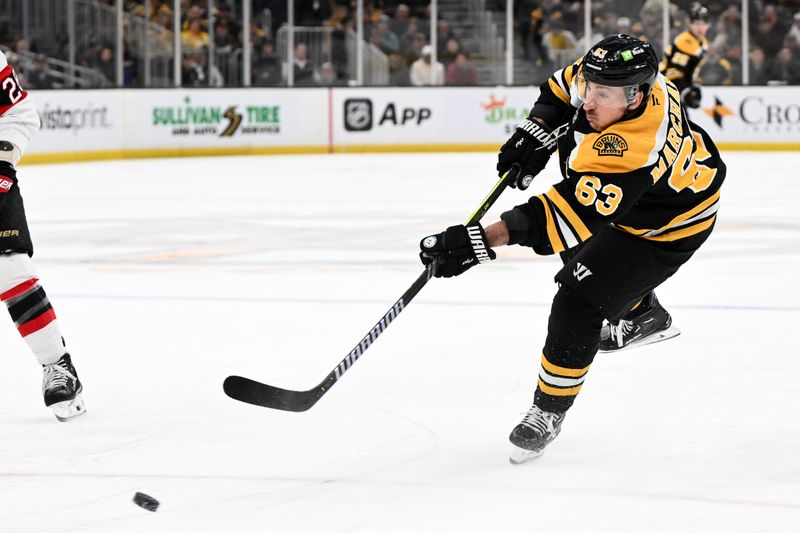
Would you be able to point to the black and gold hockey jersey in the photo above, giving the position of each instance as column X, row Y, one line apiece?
column 653, row 174
column 682, row 58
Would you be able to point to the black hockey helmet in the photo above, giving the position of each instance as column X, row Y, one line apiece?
column 622, row 61
column 698, row 12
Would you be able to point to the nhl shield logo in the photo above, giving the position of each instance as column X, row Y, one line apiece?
column 610, row 144
column 358, row 114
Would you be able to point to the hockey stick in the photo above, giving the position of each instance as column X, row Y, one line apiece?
column 249, row 391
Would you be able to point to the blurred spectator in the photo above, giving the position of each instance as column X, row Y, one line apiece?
column 623, row 25
column 535, row 46
column 192, row 74
column 130, row 67
column 214, row 78
column 223, row 39
column 267, row 67
column 451, row 50
column 795, row 29
column 425, row 73
column 257, row 34
column 224, row 16
column 787, row 65
column 769, row 34
column 412, row 42
column 383, row 37
column 419, row 42
column 194, row 13
column 721, row 38
column 194, row 37
column 715, row 70
column 443, row 35
column 107, row 67
column 398, row 71
column 461, row 72
column 328, row 76
column 303, row 71
column 90, row 55
column 758, row 67
column 38, row 76
column 560, row 43
column 401, row 19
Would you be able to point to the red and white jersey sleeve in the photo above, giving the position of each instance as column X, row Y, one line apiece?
column 18, row 116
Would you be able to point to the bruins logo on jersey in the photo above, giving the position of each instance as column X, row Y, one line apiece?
column 610, row 144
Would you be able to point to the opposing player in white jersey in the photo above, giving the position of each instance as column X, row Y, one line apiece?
column 20, row 290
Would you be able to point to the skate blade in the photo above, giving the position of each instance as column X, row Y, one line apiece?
column 521, row 455
column 68, row 410
column 658, row 336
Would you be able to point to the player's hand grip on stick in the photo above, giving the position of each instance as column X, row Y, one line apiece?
column 530, row 147
column 256, row 393
column 456, row 250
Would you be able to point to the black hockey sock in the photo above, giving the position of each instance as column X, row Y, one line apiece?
column 573, row 337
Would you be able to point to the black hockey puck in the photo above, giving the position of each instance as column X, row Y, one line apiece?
column 146, row 502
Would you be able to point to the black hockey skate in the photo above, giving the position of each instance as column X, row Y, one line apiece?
column 534, row 433
column 62, row 389
column 646, row 324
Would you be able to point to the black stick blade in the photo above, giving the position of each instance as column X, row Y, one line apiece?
column 256, row 393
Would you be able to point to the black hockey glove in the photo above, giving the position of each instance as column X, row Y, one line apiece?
column 530, row 146
column 691, row 96
column 455, row 250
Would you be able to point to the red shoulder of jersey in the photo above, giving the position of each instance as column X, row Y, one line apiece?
column 11, row 91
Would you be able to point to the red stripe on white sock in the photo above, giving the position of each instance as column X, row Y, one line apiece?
column 17, row 290
column 32, row 326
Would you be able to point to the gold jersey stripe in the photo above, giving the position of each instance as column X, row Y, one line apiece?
column 572, row 217
column 562, row 371
column 557, row 90
column 699, row 208
column 683, row 232
column 552, row 232
column 553, row 391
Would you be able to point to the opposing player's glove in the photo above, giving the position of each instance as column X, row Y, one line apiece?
column 530, row 146
column 691, row 96
column 456, row 250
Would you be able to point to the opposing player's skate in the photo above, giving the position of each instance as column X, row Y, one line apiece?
column 533, row 434
column 62, row 389
column 647, row 324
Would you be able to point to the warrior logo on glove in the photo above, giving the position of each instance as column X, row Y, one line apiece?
column 456, row 250
column 530, row 147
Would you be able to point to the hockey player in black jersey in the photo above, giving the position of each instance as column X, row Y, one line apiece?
column 639, row 196
column 686, row 52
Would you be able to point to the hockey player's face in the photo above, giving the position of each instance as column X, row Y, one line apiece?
column 699, row 28
column 604, row 105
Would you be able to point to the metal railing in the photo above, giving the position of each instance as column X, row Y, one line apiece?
column 336, row 47
column 62, row 74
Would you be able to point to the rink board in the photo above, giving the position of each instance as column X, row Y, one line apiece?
column 103, row 124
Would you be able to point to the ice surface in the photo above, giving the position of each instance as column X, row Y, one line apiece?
column 168, row 275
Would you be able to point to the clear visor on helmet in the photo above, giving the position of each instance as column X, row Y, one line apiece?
column 605, row 95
